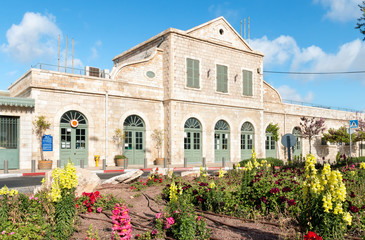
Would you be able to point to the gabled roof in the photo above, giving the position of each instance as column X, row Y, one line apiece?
column 219, row 30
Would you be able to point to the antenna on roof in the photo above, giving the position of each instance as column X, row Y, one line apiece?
column 58, row 64
column 66, row 56
column 244, row 28
column 72, row 55
column 241, row 28
column 248, row 29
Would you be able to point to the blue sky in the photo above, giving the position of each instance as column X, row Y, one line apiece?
column 300, row 36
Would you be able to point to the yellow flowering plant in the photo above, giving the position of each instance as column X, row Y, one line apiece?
column 324, row 195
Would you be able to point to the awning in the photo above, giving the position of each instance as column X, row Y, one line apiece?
column 17, row 102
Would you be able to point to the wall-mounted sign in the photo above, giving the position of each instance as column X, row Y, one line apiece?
column 74, row 123
column 47, row 143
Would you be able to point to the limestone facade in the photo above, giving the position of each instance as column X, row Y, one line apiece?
column 150, row 81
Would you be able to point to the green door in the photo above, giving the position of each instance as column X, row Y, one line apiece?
column 74, row 135
column 247, row 140
column 192, row 141
column 9, row 141
column 270, row 146
column 221, row 141
column 134, row 140
column 297, row 148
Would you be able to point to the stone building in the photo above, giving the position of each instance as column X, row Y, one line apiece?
column 204, row 87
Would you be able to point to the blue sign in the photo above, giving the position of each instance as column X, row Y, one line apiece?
column 47, row 143
column 354, row 123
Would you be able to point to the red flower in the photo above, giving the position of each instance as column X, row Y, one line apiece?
column 291, row 202
column 312, row 236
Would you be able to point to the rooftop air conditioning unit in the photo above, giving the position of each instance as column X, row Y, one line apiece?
column 104, row 73
column 92, row 71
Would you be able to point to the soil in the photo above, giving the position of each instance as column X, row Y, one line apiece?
column 144, row 205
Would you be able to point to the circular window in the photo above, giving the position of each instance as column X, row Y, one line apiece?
column 221, row 31
column 150, row 74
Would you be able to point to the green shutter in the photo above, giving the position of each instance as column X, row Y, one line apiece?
column 249, row 87
column 189, row 68
column 192, row 67
column 222, row 79
column 247, row 82
column 196, row 74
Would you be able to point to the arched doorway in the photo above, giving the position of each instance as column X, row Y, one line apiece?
column 192, row 141
column 134, row 140
column 221, row 141
column 73, row 138
column 247, row 140
column 270, row 145
column 297, row 148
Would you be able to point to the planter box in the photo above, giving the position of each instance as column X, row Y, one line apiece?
column 120, row 162
column 44, row 164
column 158, row 161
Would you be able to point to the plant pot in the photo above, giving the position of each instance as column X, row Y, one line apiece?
column 158, row 161
column 119, row 162
column 44, row 164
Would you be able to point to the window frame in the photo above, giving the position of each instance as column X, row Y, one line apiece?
column 199, row 73
column 252, row 82
column 216, row 78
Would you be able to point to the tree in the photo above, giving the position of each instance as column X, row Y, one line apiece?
column 338, row 135
column 157, row 137
column 361, row 21
column 311, row 127
column 360, row 131
column 40, row 127
column 118, row 137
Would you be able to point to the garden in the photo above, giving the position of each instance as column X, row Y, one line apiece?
column 257, row 199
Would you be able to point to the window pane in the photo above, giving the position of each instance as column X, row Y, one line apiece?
column 217, row 141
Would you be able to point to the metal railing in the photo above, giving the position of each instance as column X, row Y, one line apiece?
column 71, row 70
column 321, row 106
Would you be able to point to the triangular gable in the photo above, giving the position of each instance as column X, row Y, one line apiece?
column 219, row 30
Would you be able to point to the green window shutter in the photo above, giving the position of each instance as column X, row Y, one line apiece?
column 196, row 74
column 222, row 78
column 189, row 74
column 247, row 82
column 249, row 87
column 192, row 69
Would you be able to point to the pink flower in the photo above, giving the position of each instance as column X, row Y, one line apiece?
column 99, row 209
column 11, row 233
column 3, row 232
column 154, row 232
column 199, row 217
column 159, row 215
column 36, row 198
column 170, row 220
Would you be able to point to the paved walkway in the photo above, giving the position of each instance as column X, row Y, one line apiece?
column 110, row 169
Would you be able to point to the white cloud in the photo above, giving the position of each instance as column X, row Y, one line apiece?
column 284, row 51
column 36, row 36
column 289, row 93
column 223, row 10
column 94, row 50
column 341, row 10
column 277, row 51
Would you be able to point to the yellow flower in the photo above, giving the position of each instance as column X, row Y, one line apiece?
column 212, row 185
column 347, row 218
column 362, row 165
column 221, row 173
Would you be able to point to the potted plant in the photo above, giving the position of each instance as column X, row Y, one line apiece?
column 119, row 160
column 157, row 137
column 118, row 139
column 41, row 125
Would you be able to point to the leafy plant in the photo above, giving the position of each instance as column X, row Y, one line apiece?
column 157, row 136
column 311, row 127
column 119, row 137
column 41, row 125
column 274, row 130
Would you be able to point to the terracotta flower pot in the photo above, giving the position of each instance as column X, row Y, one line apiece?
column 158, row 161
column 119, row 162
column 45, row 164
